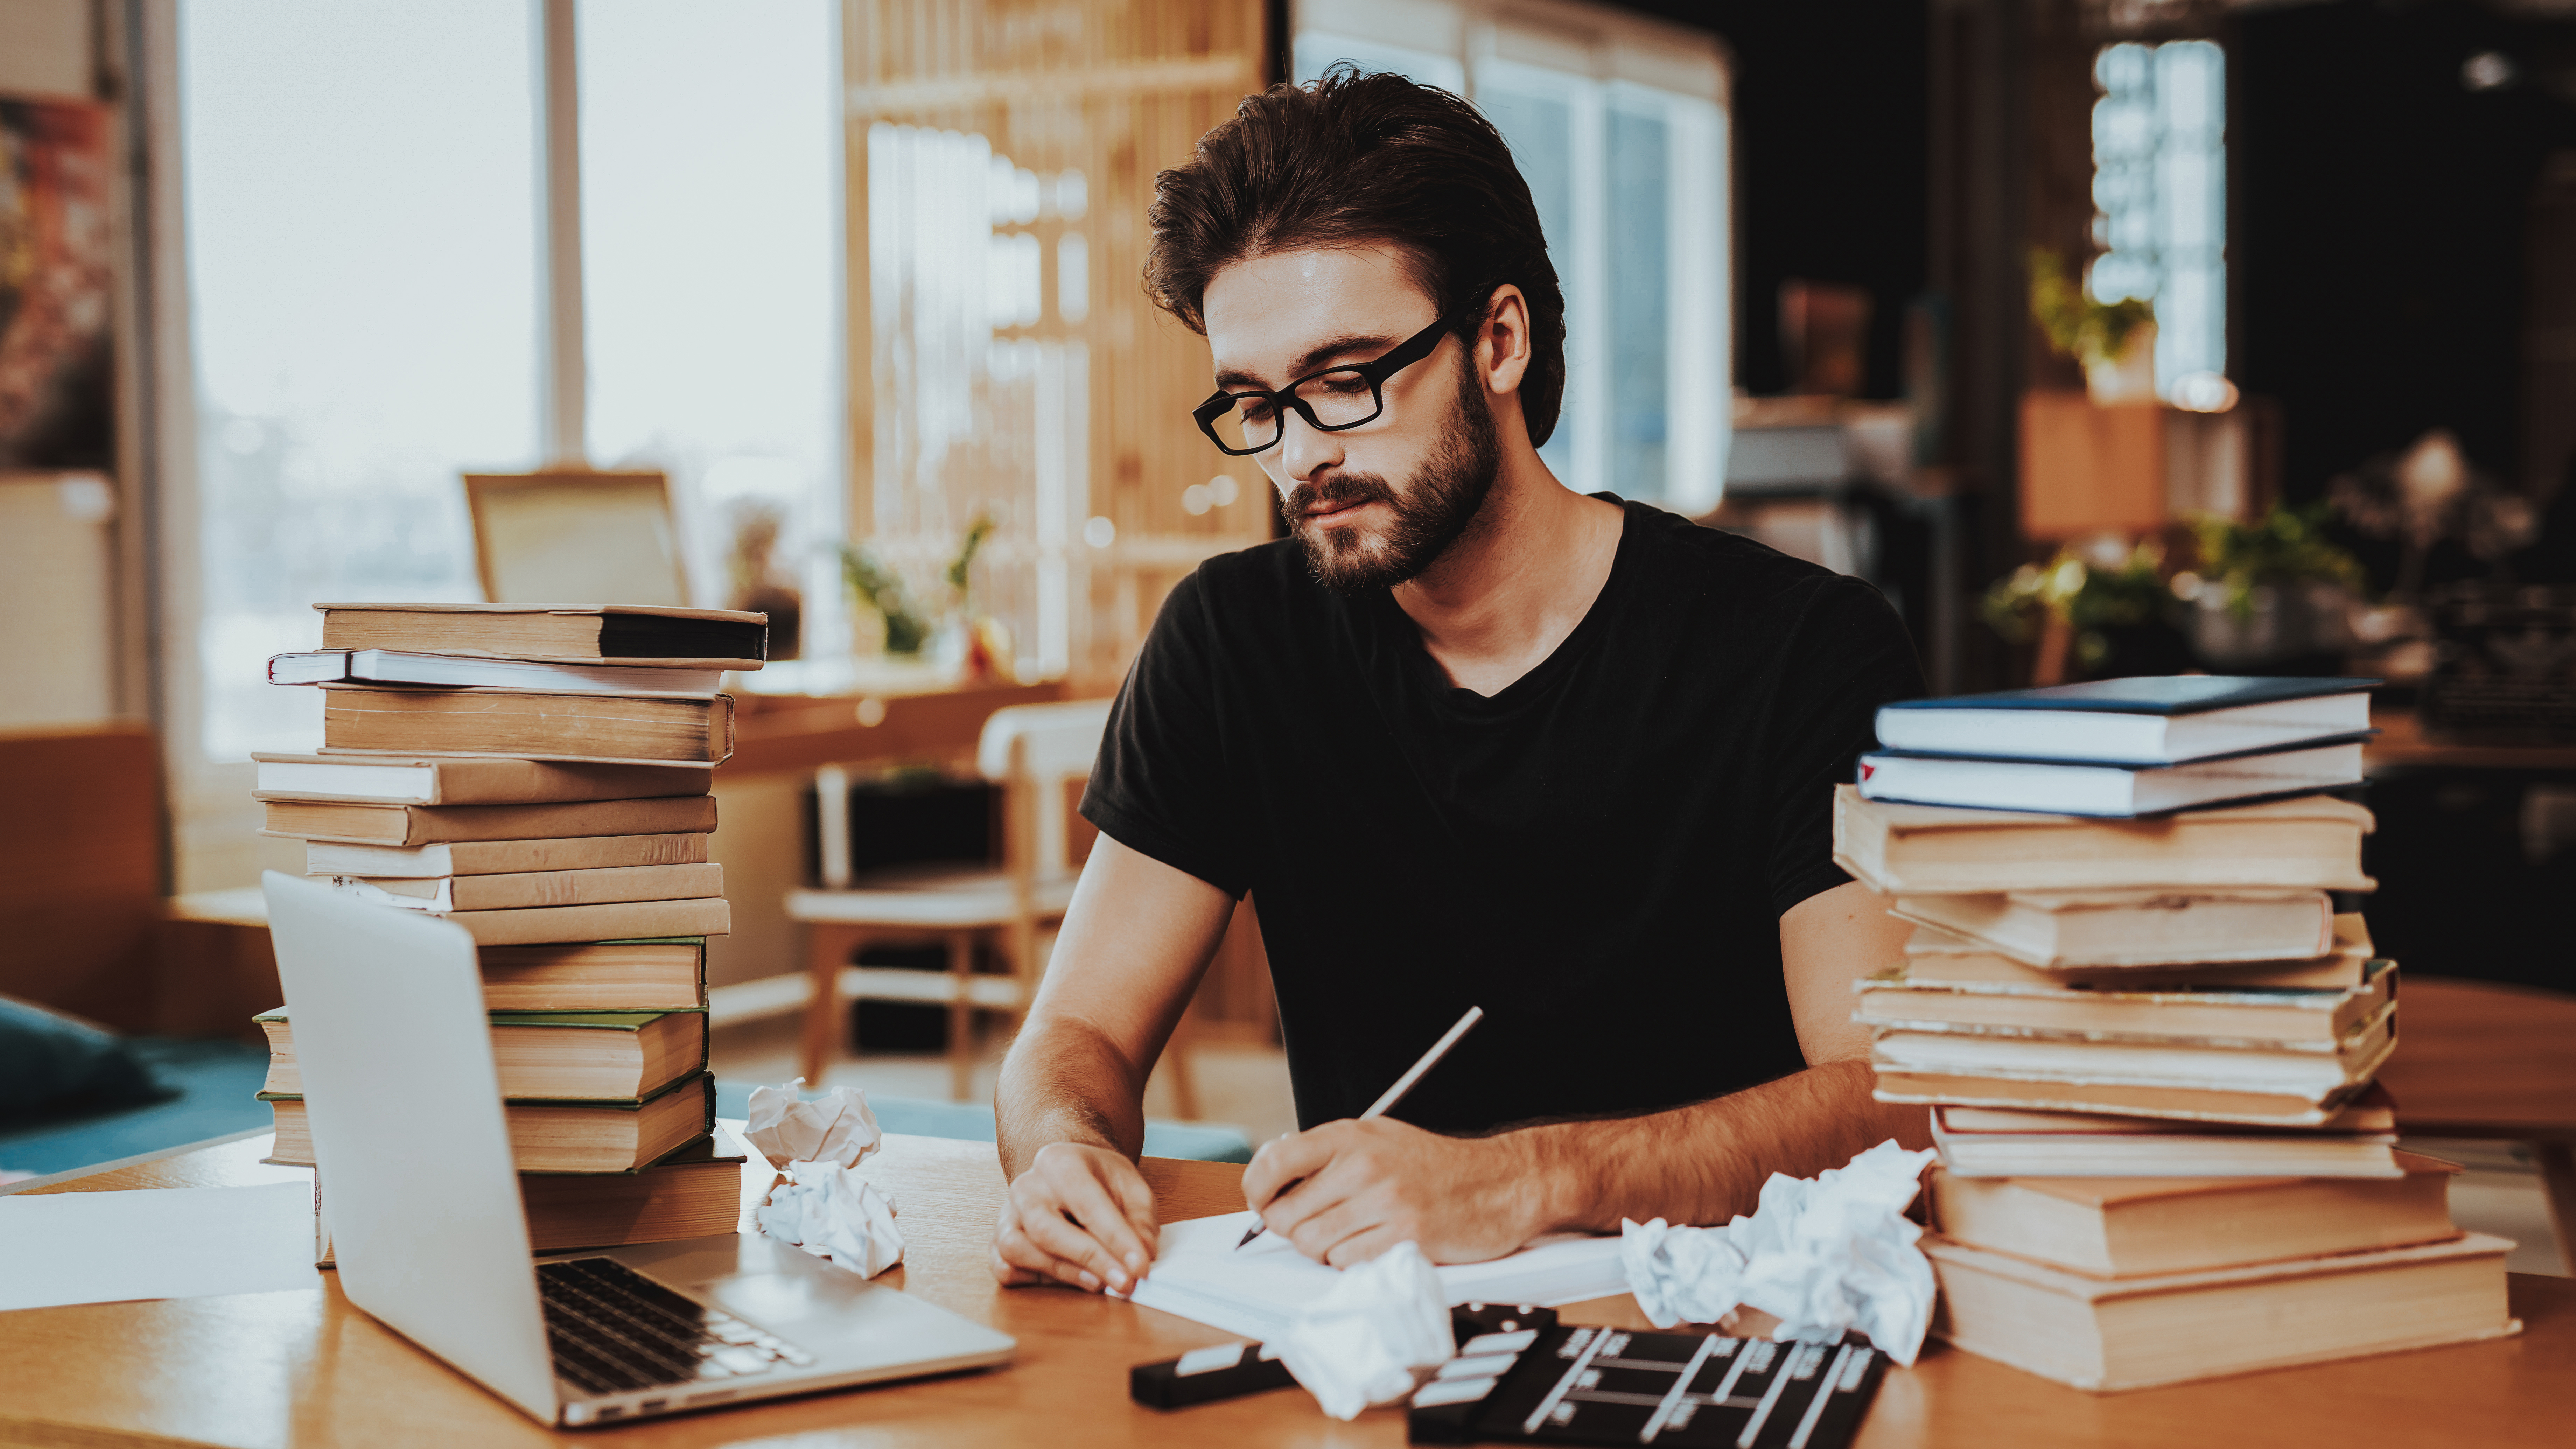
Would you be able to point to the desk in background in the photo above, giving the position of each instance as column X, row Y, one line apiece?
column 304, row 1368
column 890, row 715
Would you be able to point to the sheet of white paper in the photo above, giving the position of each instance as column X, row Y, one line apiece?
column 758, row 1176
column 170, row 1242
column 1199, row 1275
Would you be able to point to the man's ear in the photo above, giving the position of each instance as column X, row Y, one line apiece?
column 1503, row 343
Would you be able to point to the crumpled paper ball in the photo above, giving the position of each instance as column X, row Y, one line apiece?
column 819, row 1203
column 831, row 1212
column 1823, row 1255
column 1374, row 1337
column 836, row 1127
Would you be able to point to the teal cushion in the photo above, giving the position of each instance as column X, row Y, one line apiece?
column 52, row 1065
column 973, row 1122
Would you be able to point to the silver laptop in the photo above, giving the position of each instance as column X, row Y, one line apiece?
column 430, row 1238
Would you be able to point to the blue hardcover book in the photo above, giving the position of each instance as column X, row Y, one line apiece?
column 2147, row 720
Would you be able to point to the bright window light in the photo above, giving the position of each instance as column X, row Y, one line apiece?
column 360, row 220
column 2160, row 193
column 710, row 191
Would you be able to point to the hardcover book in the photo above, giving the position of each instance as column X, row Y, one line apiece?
column 621, row 1056
column 2134, row 1333
column 1933, row 955
column 637, row 975
column 557, row 1136
column 2111, row 791
column 2146, row 720
column 503, row 857
column 445, row 895
column 555, row 633
column 410, row 825
column 2311, row 843
column 453, row 671
column 465, row 780
column 2131, row 1227
column 2163, row 929
column 614, row 728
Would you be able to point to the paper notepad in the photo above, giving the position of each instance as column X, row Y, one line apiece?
column 1199, row 1275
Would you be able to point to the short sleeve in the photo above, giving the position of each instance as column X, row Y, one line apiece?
column 1849, row 654
column 1160, row 785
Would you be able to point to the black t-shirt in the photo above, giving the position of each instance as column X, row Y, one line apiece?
column 1598, row 855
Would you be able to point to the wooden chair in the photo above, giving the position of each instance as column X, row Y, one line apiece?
column 1036, row 753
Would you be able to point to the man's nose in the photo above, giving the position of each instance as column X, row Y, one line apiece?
column 1302, row 451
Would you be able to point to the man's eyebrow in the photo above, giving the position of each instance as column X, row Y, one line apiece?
column 1314, row 357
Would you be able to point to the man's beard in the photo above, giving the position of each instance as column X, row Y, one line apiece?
column 1428, row 517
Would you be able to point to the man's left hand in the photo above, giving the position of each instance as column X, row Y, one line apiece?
column 1367, row 1186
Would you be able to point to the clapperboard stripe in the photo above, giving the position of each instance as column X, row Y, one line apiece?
column 1610, row 1387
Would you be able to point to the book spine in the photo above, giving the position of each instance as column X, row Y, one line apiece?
column 410, row 825
column 709, row 916
column 570, row 727
column 501, row 781
column 547, row 888
column 597, row 852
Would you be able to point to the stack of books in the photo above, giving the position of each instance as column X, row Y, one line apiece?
column 540, row 776
column 2146, row 1035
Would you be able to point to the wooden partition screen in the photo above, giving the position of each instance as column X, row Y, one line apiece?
column 1004, row 360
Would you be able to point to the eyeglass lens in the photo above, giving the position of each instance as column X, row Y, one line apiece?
column 1341, row 398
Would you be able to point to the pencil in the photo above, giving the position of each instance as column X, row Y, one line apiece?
column 1386, row 1101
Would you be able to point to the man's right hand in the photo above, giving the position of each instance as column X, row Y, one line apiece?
column 1079, row 1215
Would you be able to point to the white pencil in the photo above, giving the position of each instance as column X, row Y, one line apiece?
column 1403, row 1084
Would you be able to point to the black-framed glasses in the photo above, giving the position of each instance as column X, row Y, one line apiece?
column 1247, row 420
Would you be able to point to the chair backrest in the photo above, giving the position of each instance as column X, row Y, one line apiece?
column 1035, row 749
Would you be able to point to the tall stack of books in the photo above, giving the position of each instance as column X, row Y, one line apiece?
column 2146, row 1035
column 541, row 777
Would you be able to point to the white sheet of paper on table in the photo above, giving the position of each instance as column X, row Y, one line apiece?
column 170, row 1242
column 1198, row 1274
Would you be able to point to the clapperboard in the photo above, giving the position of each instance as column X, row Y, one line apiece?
column 1559, row 1385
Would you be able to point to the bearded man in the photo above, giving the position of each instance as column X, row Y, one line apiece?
column 1470, row 739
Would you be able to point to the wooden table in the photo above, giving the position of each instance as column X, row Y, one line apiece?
column 2475, row 1059
column 303, row 1367
column 2401, row 744
column 799, row 732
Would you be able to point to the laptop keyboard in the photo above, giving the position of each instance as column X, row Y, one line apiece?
column 612, row 1330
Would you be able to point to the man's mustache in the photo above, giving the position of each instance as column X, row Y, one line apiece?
column 1337, row 490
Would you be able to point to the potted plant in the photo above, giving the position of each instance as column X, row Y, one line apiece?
column 2115, row 341
column 2271, row 591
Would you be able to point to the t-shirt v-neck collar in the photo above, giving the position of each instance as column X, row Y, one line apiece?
column 1405, row 638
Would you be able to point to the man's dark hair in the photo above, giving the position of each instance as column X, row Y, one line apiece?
column 1356, row 158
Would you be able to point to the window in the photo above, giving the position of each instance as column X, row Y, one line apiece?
column 364, row 314
column 365, row 306
column 983, row 397
column 2160, row 193
column 365, row 296
column 1619, row 127
column 710, row 199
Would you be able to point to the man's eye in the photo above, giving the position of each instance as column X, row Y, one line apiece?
column 1253, row 409
column 1344, row 384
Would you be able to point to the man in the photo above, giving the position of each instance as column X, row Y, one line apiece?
column 1470, row 738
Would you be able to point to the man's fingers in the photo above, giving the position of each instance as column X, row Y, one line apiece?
column 1086, row 1199
column 1138, row 1200
column 1022, row 1250
column 1362, row 1246
column 1283, row 1160
column 1063, row 1239
column 1325, row 1225
column 1012, row 1275
column 1289, row 1213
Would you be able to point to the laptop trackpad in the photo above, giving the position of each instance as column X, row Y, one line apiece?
column 790, row 1292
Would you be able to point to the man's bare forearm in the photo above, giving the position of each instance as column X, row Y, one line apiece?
column 1066, row 1081
column 1706, row 1163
